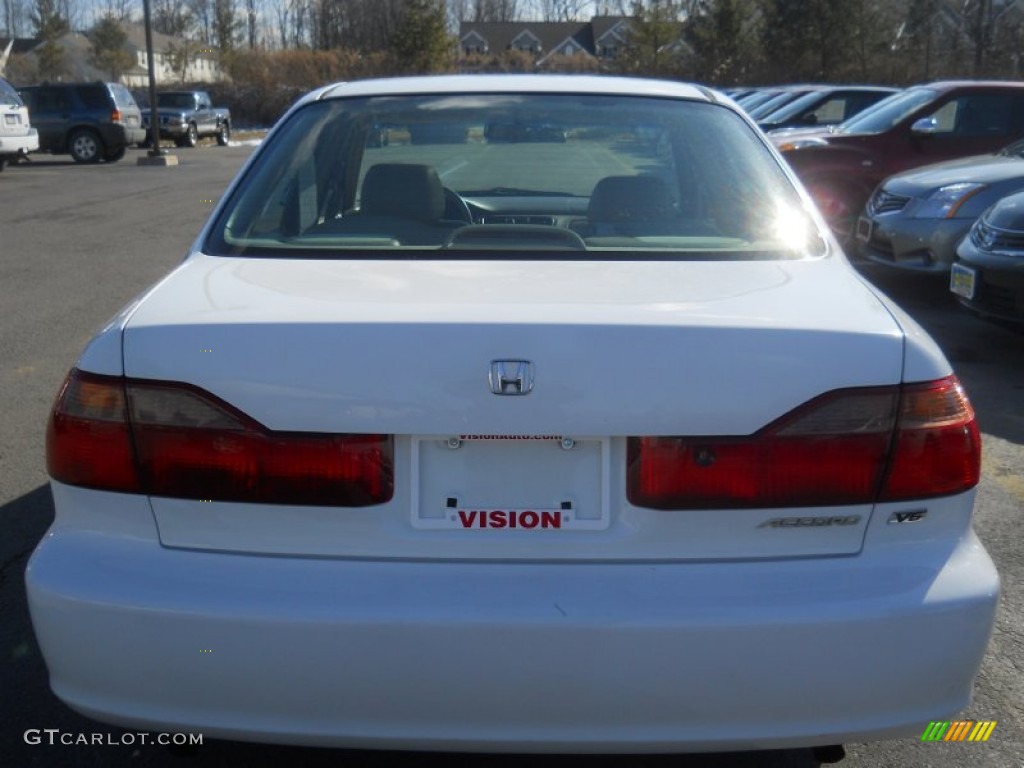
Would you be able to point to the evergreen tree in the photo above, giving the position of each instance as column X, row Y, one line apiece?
column 724, row 41
column 421, row 43
column 226, row 25
column 809, row 39
column 652, row 41
column 788, row 39
column 50, row 26
column 108, row 47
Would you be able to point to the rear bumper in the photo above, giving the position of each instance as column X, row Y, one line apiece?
column 19, row 145
column 627, row 657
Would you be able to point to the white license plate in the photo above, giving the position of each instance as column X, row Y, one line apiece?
column 510, row 485
column 963, row 281
column 864, row 228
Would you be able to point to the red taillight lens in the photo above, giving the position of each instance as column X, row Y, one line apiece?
column 846, row 447
column 191, row 445
column 937, row 450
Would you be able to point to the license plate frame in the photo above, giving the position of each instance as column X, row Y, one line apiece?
column 511, row 485
column 865, row 228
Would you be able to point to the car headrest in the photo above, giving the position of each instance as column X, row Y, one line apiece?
column 404, row 190
column 630, row 198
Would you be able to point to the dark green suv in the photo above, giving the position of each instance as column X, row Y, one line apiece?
column 89, row 121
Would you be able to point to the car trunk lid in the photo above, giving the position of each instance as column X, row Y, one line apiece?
column 412, row 349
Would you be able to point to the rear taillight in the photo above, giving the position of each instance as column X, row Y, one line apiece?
column 937, row 449
column 169, row 439
column 88, row 442
column 846, row 447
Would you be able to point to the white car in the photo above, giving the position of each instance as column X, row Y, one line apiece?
column 594, row 445
column 17, row 136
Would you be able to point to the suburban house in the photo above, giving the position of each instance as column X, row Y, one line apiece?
column 600, row 38
column 175, row 60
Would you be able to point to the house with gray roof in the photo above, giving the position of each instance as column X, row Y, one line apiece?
column 601, row 38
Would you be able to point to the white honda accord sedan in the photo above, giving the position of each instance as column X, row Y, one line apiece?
column 514, row 413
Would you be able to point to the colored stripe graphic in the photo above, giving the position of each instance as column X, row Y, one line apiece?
column 959, row 730
column 982, row 730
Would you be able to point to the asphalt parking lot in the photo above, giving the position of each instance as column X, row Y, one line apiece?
column 77, row 242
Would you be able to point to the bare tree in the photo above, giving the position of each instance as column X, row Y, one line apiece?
column 72, row 11
column 17, row 19
column 202, row 12
column 252, row 12
column 119, row 10
column 565, row 10
column 494, row 10
column 172, row 18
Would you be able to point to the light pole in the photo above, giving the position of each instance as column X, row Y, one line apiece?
column 154, row 113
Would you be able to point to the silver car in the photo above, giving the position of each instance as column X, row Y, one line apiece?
column 915, row 220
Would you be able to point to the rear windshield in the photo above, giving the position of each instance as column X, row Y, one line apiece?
column 176, row 100
column 507, row 175
column 122, row 96
column 9, row 96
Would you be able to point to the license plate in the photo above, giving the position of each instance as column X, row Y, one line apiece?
column 963, row 281
column 512, row 485
column 11, row 120
column 864, row 228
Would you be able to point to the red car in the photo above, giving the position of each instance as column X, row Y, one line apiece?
column 923, row 124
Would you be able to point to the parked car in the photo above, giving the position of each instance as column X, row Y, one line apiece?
column 921, row 125
column 512, row 447
column 89, row 121
column 758, row 97
column 988, row 275
column 915, row 219
column 17, row 136
column 786, row 95
column 826, row 106
column 187, row 116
